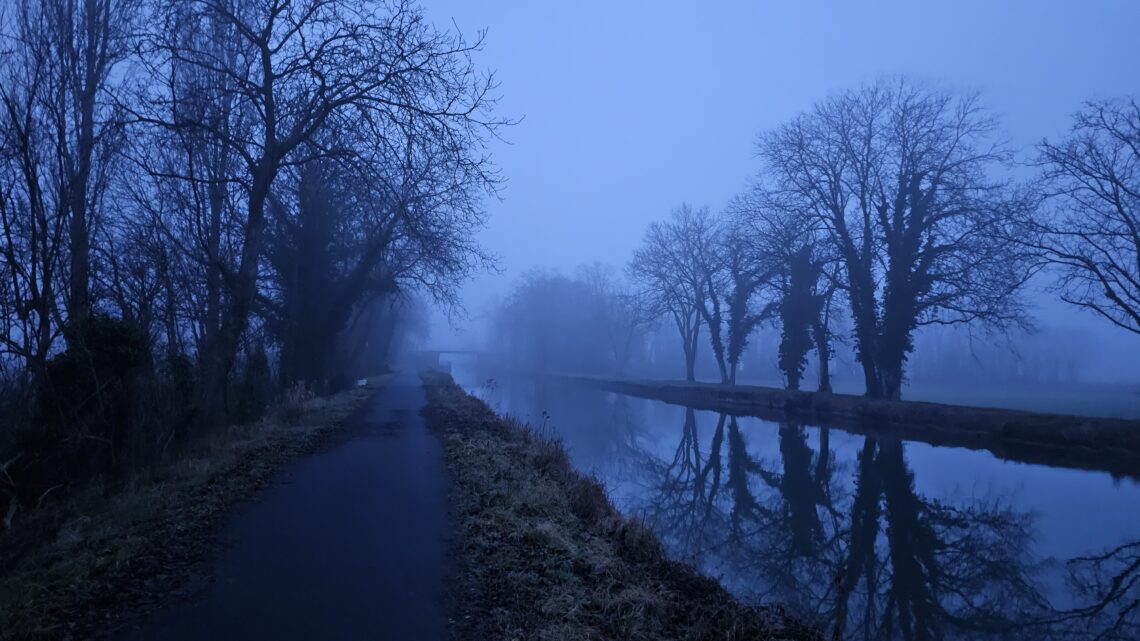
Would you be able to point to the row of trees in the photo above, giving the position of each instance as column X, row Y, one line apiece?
column 189, row 188
column 588, row 322
column 891, row 203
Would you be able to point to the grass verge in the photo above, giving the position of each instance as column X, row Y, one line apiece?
column 83, row 568
column 539, row 552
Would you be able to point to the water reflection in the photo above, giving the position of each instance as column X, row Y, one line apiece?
column 844, row 537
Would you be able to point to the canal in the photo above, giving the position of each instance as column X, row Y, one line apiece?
column 867, row 537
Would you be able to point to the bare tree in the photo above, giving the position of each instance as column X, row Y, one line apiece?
column 622, row 312
column 791, row 253
column 748, row 274
column 362, row 226
column 713, row 256
column 900, row 179
column 34, row 225
column 293, row 70
column 1092, row 234
column 59, row 132
column 800, row 309
column 672, row 268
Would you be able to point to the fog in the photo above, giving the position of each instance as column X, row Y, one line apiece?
column 420, row 318
column 628, row 111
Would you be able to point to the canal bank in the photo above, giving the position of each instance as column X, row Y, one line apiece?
column 1079, row 442
column 866, row 535
column 539, row 552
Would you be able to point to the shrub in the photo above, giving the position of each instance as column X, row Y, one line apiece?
column 254, row 388
column 89, row 410
column 293, row 403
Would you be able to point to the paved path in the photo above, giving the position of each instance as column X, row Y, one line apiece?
column 348, row 544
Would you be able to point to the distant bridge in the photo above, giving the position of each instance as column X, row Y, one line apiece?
column 444, row 359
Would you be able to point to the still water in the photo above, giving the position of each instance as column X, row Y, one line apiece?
column 867, row 537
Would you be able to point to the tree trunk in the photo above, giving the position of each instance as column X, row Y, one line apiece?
column 690, row 363
column 823, row 350
column 79, row 305
column 91, row 70
column 715, row 339
column 871, row 378
column 221, row 353
column 892, row 383
column 793, row 382
column 712, row 318
column 893, row 348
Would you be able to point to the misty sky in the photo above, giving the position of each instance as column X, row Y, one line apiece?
column 633, row 107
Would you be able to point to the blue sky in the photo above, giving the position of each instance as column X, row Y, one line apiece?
column 633, row 107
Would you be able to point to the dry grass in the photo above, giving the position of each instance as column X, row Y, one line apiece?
column 541, row 553
column 83, row 568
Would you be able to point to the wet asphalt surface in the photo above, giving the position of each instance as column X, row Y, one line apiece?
column 346, row 544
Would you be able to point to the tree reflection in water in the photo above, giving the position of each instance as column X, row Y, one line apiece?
column 848, row 544
column 853, row 546
column 1110, row 584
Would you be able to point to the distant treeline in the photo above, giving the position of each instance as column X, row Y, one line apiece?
column 206, row 202
column 880, row 211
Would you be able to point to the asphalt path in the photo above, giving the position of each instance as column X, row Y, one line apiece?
column 346, row 544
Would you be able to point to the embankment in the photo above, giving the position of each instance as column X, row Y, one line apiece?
column 1106, row 444
column 539, row 552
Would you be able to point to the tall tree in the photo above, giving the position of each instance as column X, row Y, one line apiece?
column 800, row 309
column 361, row 227
column 59, row 129
column 672, row 268
column 901, row 179
column 790, row 253
column 1091, row 235
column 748, row 273
column 622, row 313
column 295, row 70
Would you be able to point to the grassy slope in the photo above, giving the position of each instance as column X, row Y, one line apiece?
column 541, row 553
column 99, row 563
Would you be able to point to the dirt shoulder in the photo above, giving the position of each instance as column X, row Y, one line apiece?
column 100, row 563
column 539, row 552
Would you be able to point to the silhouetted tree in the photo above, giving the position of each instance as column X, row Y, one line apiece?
column 60, row 100
column 623, row 313
column 190, row 189
column 672, row 268
column 59, row 80
column 800, row 310
column 359, row 229
column 720, row 295
column 294, row 71
column 588, row 323
column 821, row 334
column 1092, row 233
column 900, row 179
column 749, row 272
column 786, row 244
